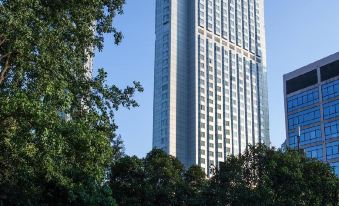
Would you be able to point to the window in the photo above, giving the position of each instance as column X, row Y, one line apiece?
column 332, row 129
column 210, row 136
column 329, row 71
column 307, row 136
column 315, row 152
column 331, row 109
column 302, row 81
column 228, row 150
column 335, row 167
column 330, row 90
column 332, row 150
column 165, row 87
column 219, row 154
column 304, row 99
column 304, row 118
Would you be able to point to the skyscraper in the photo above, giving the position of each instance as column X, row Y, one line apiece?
column 312, row 110
column 210, row 88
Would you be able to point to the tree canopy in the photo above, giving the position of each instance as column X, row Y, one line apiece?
column 264, row 176
column 260, row 176
column 158, row 179
column 56, row 119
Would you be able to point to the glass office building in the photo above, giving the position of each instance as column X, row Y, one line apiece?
column 210, row 88
column 312, row 110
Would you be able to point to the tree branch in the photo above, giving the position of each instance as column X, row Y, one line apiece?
column 2, row 39
column 3, row 56
column 5, row 70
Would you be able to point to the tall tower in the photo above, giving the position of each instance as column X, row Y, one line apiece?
column 210, row 88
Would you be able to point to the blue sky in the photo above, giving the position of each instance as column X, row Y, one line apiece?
column 298, row 32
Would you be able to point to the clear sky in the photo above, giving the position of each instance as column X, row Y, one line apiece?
column 298, row 32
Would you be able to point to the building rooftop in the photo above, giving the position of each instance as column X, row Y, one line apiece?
column 310, row 67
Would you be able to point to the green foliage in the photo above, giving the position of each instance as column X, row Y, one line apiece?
column 127, row 181
column 56, row 121
column 158, row 179
column 264, row 176
column 261, row 176
column 195, row 183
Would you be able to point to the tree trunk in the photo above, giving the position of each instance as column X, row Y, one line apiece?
column 5, row 70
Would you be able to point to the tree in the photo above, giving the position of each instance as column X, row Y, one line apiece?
column 56, row 121
column 127, row 181
column 264, row 176
column 260, row 176
column 164, row 178
column 118, row 148
column 158, row 179
column 195, row 182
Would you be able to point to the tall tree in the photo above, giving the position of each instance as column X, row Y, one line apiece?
column 56, row 122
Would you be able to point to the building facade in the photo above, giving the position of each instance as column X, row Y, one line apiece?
column 210, row 79
column 312, row 110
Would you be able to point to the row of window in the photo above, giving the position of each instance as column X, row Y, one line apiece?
column 202, row 143
column 303, row 118
column 312, row 115
column 307, row 136
column 332, row 151
column 309, row 116
column 314, row 152
column 303, row 99
column 309, row 97
column 211, row 155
